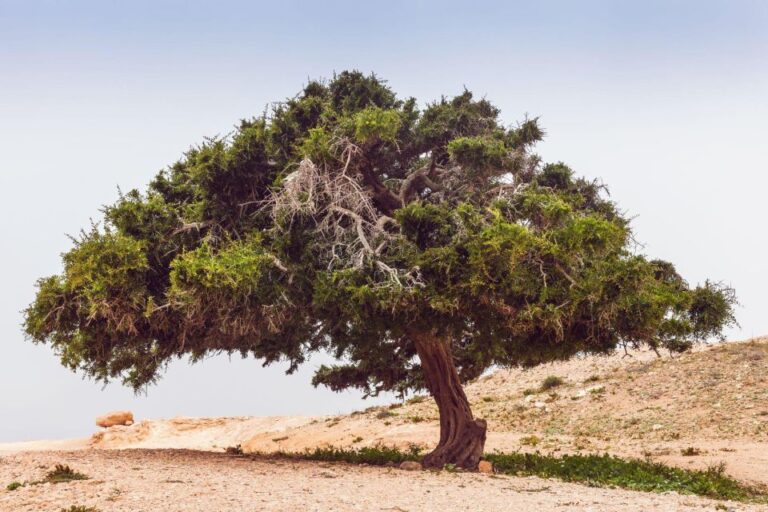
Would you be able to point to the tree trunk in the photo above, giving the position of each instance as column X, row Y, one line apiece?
column 462, row 438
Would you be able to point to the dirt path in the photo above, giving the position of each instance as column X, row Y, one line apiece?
column 191, row 481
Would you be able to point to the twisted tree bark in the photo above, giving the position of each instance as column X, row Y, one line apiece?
column 462, row 438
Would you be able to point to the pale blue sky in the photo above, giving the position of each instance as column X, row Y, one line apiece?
column 666, row 101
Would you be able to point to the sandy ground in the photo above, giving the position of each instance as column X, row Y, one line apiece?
column 191, row 481
column 713, row 400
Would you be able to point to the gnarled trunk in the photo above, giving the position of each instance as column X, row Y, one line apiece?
column 462, row 438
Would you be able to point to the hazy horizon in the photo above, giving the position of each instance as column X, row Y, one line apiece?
column 665, row 102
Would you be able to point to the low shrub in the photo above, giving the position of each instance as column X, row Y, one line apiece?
column 550, row 382
column 62, row 473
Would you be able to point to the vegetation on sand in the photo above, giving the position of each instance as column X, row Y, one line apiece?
column 596, row 470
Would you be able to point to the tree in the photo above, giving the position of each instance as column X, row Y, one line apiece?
column 420, row 247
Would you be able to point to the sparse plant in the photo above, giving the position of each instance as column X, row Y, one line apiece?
column 488, row 399
column 531, row 440
column 550, row 382
column 357, row 440
column 416, row 399
column 592, row 378
column 529, row 391
column 62, row 473
column 385, row 414
column 598, row 391
column 234, row 450
column 690, row 451
column 13, row 486
column 80, row 508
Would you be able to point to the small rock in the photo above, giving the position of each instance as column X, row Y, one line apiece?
column 485, row 466
column 115, row 418
column 410, row 465
column 657, row 426
column 539, row 405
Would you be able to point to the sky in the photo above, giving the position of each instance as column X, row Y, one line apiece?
column 666, row 102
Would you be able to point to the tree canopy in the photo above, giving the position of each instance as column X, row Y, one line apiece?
column 347, row 219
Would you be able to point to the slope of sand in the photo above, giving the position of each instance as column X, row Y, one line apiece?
column 712, row 402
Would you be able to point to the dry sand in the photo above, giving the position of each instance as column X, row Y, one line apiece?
column 714, row 400
column 192, row 481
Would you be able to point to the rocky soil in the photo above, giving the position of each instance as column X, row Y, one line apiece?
column 193, row 481
column 699, row 409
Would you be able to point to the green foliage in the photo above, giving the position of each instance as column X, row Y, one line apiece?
column 317, row 145
column 374, row 455
column 13, row 486
column 478, row 154
column 80, row 508
column 607, row 470
column 376, row 124
column 62, row 474
column 345, row 219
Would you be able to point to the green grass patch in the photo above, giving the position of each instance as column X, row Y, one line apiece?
column 373, row 455
column 13, row 486
column 594, row 470
column 639, row 475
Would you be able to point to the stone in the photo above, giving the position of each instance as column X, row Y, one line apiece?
column 485, row 466
column 115, row 418
column 410, row 465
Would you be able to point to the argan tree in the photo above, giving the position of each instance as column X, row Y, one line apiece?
column 420, row 246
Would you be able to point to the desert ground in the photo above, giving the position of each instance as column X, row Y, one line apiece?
column 711, row 403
